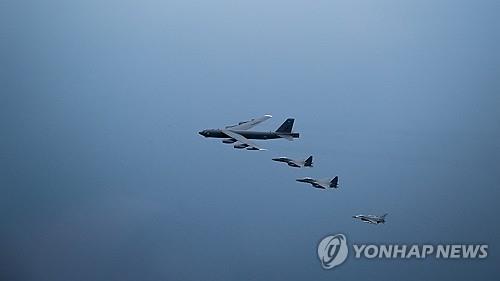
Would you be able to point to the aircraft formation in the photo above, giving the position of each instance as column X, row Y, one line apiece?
column 240, row 136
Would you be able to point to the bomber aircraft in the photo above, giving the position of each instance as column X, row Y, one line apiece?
column 239, row 135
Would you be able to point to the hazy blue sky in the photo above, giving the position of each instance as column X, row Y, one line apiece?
column 104, row 177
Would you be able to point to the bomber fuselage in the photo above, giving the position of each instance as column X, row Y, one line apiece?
column 216, row 133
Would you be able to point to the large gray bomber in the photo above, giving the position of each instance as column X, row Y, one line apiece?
column 240, row 136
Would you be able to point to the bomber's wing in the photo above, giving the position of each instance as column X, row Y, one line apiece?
column 245, row 125
column 241, row 139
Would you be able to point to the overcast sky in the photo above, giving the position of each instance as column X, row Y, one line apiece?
column 104, row 177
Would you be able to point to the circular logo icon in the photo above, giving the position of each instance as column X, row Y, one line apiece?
column 332, row 251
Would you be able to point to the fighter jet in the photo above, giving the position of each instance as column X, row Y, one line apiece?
column 240, row 137
column 295, row 163
column 373, row 219
column 323, row 184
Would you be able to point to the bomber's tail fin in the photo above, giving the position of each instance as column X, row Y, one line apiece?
column 286, row 127
column 308, row 162
column 334, row 182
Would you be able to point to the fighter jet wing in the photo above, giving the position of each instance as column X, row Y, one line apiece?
column 245, row 125
column 324, row 184
column 369, row 220
column 241, row 139
column 318, row 185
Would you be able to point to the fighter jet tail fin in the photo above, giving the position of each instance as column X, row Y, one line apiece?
column 334, row 182
column 286, row 127
column 383, row 216
column 308, row 162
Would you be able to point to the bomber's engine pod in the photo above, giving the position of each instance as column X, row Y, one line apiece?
column 229, row 141
column 240, row 146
